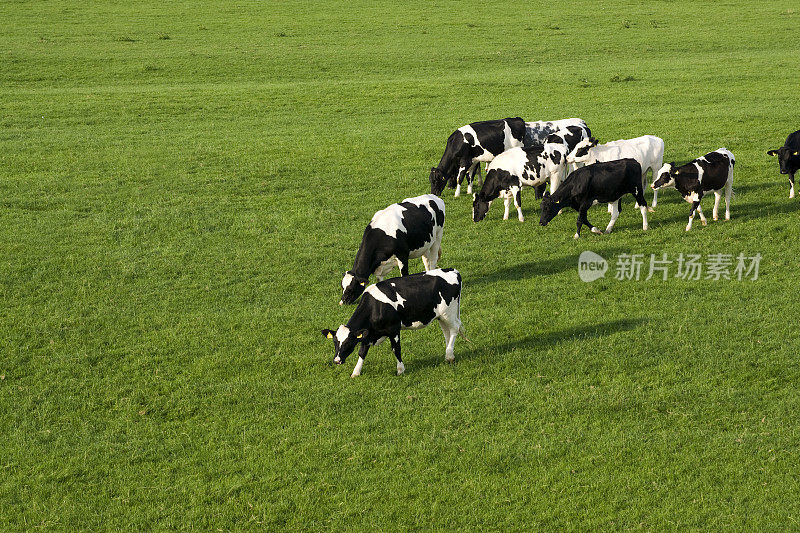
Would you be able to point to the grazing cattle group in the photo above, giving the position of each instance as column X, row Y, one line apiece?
column 561, row 154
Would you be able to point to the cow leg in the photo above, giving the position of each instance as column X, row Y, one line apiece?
column 614, row 214
column 402, row 263
column 459, row 178
column 642, row 203
column 506, row 203
column 791, row 185
column 539, row 190
column 655, row 192
column 450, row 331
column 695, row 206
column 471, row 175
column 517, row 192
column 362, row 354
column 700, row 212
column 583, row 220
column 395, row 340
column 717, row 198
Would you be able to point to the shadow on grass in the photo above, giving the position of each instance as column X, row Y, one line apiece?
column 534, row 343
column 749, row 211
column 546, row 267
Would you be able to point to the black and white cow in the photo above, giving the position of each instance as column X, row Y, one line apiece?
column 602, row 182
column 514, row 169
column 789, row 158
column 469, row 145
column 711, row 172
column 410, row 302
column 406, row 230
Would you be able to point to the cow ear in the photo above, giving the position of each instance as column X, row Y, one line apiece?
column 328, row 334
column 772, row 152
column 594, row 141
column 361, row 334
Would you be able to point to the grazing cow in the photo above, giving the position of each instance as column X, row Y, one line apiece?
column 514, row 169
column 469, row 145
column 403, row 231
column 410, row 302
column 710, row 172
column 648, row 150
column 604, row 181
column 789, row 158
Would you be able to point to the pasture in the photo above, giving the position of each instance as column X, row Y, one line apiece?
column 182, row 186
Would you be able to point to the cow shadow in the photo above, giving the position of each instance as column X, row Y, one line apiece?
column 533, row 343
column 739, row 211
column 545, row 267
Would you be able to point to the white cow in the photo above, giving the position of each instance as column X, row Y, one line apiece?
column 647, row 150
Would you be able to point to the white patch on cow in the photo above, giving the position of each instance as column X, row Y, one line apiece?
column 342, row 333
column 389, row 220
column 693, row 197
column 376, row 293
column 379, row 341
column 400, row 368
column 450, row 277
column 416, row 325
column 699, row 171
column 346, row 280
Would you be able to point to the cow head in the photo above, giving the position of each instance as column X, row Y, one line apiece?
column 664, row 177
column 788, row 158
column 352, row 287
column 344, row 341
column 580, row 154
column 550, row 209
column 438, row 181
column 480, row 206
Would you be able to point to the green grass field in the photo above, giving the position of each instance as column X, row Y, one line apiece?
column 182, row 186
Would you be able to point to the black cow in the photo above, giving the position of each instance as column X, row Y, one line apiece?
column 410, row 302
column 789, row 158
column 469, row 145
column 604, row 182
column 406, row 230
column 711, row 172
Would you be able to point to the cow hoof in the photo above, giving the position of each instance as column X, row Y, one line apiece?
column 354, row 375
column 400, row 369
column 576, row 236
column 450, row 359
column 651, row 210
column 645, row 228
column 469, row 189
column 607, row 231
column 704, row 222
column 727, row 217
column 597, row 230
column 791, row 195
column 505, row 217
column 716, row 218
column 522, row 219
column 688, row 228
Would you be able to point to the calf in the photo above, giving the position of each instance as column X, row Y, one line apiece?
column 789, row 158
column 469, row 145
column 648, row 150
column 514, row 169
column 605, row 181
column 403, row 231
column 410, row 302
column 710, row 172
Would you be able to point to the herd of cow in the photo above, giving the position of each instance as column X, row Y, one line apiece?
column 563, row 154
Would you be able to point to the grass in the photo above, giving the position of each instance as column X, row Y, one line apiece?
column 182, row 186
